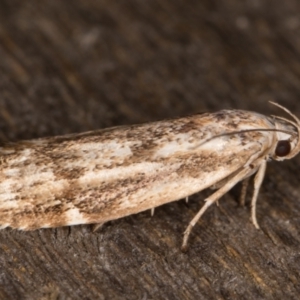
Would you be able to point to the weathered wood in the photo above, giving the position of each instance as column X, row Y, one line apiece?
column 81, row 65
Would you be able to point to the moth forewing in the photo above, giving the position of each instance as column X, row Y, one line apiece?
column 103, row 175
column 63, row 182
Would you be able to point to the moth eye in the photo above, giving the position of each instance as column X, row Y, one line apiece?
column 283, row 148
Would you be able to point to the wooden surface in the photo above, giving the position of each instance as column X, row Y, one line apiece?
column 72, row 66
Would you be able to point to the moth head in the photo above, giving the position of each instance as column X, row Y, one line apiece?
column 288, row 136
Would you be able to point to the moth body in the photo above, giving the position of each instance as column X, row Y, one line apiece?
column 103, row 175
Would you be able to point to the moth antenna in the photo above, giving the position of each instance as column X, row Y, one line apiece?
column 287, row 111
column 297, row 125
column 286, row 120
column 249, row 130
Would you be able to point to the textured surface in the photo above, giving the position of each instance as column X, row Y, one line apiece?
column 92, row 64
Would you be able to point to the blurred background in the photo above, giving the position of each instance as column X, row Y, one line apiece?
column 88, row 64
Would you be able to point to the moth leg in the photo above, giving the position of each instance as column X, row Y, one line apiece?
column 96, row 227
column 152, row 211
column 259, row 177
column 213, row 198
column 243, row 194
column 187, row 199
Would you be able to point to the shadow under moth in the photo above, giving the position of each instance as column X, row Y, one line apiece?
column 102, row 175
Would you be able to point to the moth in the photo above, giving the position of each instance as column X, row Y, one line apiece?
column 102, row 175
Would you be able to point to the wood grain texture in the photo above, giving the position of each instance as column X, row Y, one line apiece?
column 72, row 67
